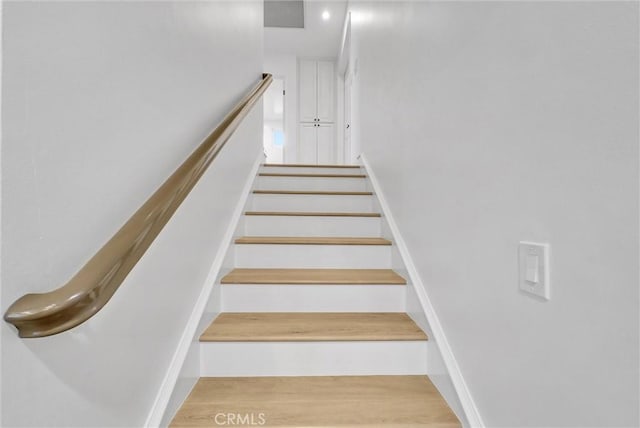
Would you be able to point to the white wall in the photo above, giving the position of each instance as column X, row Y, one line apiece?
column 286, row 67
column 488, row 123
column 101, row 102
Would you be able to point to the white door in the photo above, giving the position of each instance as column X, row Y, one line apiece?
column 347, row 117
column 307, row 144
column 326, row 144
column 273, row 111
column 326, row 79
column 307, row 71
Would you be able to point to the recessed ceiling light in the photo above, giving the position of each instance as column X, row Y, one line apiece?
column 326, row 15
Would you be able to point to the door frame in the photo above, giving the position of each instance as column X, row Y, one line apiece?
column 347, row 115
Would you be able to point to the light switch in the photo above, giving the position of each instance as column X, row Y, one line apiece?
column 534, row 268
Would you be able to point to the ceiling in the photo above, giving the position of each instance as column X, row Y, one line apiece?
column 318, row 38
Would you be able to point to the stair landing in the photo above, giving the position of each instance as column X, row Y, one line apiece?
column 322, row 401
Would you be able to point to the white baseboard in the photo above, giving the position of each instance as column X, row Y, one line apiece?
column 322, row 358
column 264, row 256
column 159, row 407
column 259, row 225
column 313, row 298
column 466, row 400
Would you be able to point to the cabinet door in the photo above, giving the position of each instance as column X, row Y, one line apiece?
column 326, row 144
column 326, row 79
column 307, row 144
column 307, row 78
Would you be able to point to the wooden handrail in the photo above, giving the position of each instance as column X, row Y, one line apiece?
column 39, row 315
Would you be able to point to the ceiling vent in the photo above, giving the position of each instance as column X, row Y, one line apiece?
column 284, row 14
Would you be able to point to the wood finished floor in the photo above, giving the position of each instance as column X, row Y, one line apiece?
column 309, row 214
column 323, row 401
column 311, row 326
column 304, row 165
column 313, row 276
column 308, row 175
column 311, row 240
column 311, row 192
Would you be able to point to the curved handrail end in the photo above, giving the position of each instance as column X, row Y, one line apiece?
column 46, row 314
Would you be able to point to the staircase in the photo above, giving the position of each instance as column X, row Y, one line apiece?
column 313, row 330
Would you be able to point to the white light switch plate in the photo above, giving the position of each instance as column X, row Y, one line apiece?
column 533, row 269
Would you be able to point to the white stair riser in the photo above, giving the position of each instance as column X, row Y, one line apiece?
column 312, row 226
column 311, row 183
column 312, row 203
column 308, row 170
column 224, row 359
column 313, row 256
column 313, row 298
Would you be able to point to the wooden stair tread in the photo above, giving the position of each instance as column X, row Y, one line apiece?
column 304, row 175
column 319, row 401
column 303, row 165
column 313, row 276
column 311, row 240
column 311, row 326
column 310, row 192
column 310, row 214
